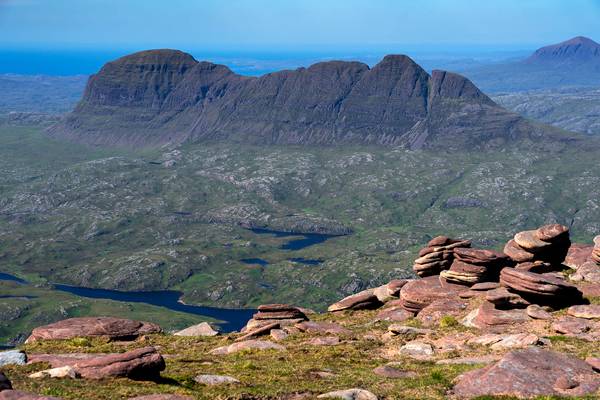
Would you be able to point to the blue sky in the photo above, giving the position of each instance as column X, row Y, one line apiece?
column 220, row 24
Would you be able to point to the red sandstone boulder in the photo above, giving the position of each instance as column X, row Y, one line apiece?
column 418, row 294
column 108, row 327
column 434, row 312
column 18, row 395
column 144, row 363
column 359, row 301
column 578, row 254
column 530, row 373
column 323, row 327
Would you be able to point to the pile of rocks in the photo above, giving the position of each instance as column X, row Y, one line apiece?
column 471, row 266
column 437, row 255
column 542, row 289
column 548, row 243
column 419, row 293
column 272, row 317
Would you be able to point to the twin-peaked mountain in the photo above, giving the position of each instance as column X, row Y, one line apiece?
column 161, row 96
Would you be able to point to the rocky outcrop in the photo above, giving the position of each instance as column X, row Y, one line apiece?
column 578, row 50
column 107, row 327
column 437, row 255
column 160, row 96
column 530, row 373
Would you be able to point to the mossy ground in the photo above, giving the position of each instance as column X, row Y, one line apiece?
column 273, row 374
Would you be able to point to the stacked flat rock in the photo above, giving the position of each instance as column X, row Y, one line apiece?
column 548, row 243
column 579, row 254
column 420, row 293
column 540, row 288
column 437, row 256
column 471, row 266
column 275, row 316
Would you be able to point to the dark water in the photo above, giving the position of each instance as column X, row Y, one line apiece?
column 8, row 277
column 306, row 261
column 255, row 261
column 307, row 240
column 234, row 319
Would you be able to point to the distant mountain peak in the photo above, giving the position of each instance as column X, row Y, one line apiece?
column 577, row 50
column 166, row 96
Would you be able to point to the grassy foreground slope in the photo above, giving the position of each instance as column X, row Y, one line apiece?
column 175, row 218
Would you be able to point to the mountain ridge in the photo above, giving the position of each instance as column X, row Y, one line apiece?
column 166, row 96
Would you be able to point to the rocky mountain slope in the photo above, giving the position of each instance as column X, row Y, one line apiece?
column 573, row 63
column 165, row 96
column 576, row 110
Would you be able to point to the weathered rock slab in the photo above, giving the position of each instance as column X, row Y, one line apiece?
column 349, row 394
column 202, row 329
column 109, row 327
column 529, row 373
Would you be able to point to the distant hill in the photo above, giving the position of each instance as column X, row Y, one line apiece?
column 573, row 63
column 577, row 51
column 162, row 96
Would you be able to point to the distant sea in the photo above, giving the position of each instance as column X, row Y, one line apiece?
column 86, row 62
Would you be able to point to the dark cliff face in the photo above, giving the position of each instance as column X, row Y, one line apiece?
column 160, row 96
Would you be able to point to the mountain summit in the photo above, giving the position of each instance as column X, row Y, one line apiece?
column 577, row 50
column 162, row 96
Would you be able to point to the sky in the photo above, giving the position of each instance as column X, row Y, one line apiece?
column 285, row 24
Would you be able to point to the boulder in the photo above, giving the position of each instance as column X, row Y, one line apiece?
column 437, row 256
column 585, row 311
column 324, row 341
column 247, row 345
column 553, row 233
column 359, row 301
column 418, row 294
column 573, row 326
column 529, row 373
column 488, row 317
column 577, row 255
column 589, row 271
column 12, row 357
column 214, row 380
column 108, row 327
column 506, row 341
column 395, row 314
column 394, row 371
column 18, row 395
column 438, row 309
column 61, row 372
column 528, row 241
column 202, row 329
column 502, row 298
column 144, row 363
column 517, row 253
column 418, row 350
column 485, row 286
column 257, row 332
column 61, row 360
column 278, row 311
column 349, row 394
column 398, row 329
column 279, row 334
column 540, row 288
column 536, row 312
